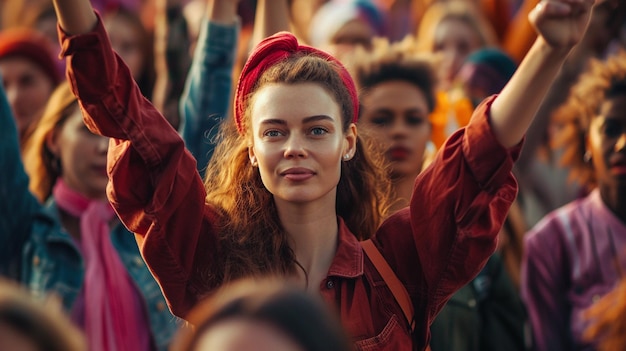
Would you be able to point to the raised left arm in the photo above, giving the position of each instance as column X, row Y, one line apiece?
column 560, row 25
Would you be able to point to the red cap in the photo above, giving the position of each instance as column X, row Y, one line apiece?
column 272, row 50
column 21, row 42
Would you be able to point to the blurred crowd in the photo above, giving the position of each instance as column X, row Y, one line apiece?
column 421, row 68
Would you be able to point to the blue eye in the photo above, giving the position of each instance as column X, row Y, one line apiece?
column 318, row 131
column 272, row 133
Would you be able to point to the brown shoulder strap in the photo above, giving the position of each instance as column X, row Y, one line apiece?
column 395, row 285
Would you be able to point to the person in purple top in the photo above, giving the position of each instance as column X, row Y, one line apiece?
column 575, row 255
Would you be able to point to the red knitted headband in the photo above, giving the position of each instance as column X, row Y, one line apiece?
column 272, row 50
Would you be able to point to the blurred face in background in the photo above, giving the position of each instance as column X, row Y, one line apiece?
column 353, row 34
column 454, row 40
column 128, row 39
column 239, row 334
column 27, row 88
column 396, row 113
column 82, row 155
column 301, row 12
column 607, row 144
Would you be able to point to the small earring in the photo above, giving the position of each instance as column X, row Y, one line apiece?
column 587, row 156
column 346, row 157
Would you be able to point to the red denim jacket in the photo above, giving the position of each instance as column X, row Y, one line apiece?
column 435, row 246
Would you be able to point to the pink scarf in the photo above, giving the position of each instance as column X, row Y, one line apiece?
column 110, row 318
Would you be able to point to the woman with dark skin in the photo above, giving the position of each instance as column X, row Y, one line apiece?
column 574, row 255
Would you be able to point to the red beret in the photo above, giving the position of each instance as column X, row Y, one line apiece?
column 32, row 45
column 269, row 52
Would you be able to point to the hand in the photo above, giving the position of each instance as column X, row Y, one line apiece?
column 561, row 23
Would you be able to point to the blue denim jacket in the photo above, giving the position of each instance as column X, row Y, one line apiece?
column 39, row 253
column 207, row 96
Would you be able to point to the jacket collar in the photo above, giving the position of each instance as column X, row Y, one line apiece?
column 348, row 261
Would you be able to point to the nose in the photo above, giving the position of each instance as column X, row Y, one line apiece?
column 398, row 128
column 295, row 147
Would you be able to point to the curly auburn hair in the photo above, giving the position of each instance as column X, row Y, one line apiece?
column 602, row 79
column 252, row 233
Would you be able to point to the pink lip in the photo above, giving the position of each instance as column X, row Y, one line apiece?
column 297, row 174
column 619, row 169
column 398, row 153
column 618, row 164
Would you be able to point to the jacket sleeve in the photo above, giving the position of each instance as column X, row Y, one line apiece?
column 17, row 204
column 459, row 203
column 154, row 186
column 205, row 100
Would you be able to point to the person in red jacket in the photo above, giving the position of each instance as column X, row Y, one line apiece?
column 291, row 191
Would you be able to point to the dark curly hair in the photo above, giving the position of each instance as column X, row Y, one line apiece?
column 601, row 80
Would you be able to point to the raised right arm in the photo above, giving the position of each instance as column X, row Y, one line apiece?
column 75, row 16
column 207, row 96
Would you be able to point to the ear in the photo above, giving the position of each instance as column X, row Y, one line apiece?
column 252, row 156
column 350, row 142
column 52, row 142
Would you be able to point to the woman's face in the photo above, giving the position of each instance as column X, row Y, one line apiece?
column 127, row 41
column 396, row 113
column 27, row 88
column 607, row 144
column 454, row 39
column 83, row 156
column 239, row 334
column 298, row 142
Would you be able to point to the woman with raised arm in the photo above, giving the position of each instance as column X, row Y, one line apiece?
column 290, row 190
column 62, row 237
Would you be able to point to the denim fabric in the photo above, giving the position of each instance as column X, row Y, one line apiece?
column 207, row 96
column 37, row 251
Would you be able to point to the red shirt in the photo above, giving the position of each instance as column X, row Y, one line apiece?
column 435, row 246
